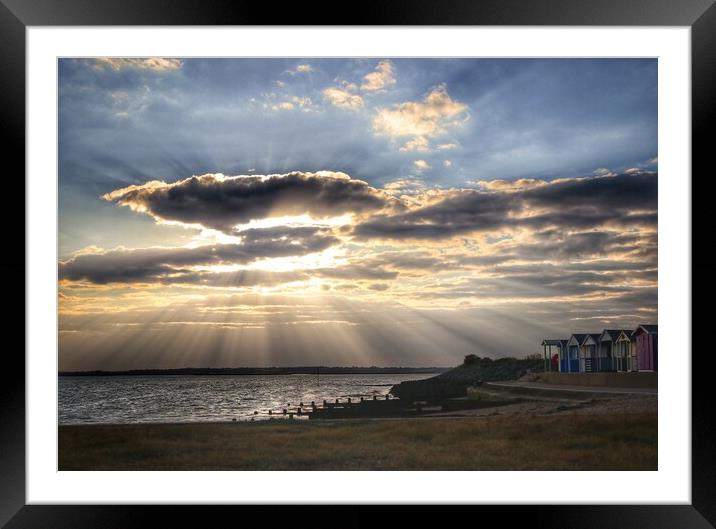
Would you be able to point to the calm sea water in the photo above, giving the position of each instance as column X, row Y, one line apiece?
column 113, row 400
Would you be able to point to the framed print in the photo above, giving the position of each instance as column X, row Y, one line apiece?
column 417, row 257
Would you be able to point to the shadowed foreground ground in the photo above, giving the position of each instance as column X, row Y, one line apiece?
column 562, row 442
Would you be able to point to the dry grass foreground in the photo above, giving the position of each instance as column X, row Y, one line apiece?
column 564, row 442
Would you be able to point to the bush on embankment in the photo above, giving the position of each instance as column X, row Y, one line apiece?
column 473, row 371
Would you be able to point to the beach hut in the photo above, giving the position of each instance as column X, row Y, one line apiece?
column 559, row 346
column 646, row 344
column 632, row 350
column 573, row 352
column 588, row 353
column 625, row 352
column 610, row 357
column 563, row 355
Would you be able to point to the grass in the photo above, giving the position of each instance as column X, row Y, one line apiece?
column 562, row 442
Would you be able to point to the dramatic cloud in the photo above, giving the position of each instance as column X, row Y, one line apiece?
column 124, row 265
column 380, row 79
column 531, row 286
column 408, row 260
column 343, row 97
column 150, row 63
column 346, row 95
column 404, row 186
column 526, row 226
column 222, row 202
column 421, row 120
column 634, row 191
column 462, row 212
column 555, row 244
column 580, row 203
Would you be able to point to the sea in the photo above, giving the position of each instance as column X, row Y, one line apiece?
column 208, row 398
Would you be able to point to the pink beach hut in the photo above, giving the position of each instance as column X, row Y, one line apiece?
column 647, row 347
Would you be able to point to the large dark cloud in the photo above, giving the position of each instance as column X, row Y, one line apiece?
column 221, row 202
column 175, row 265
column 555, row 244
column 465, row 212
column 579, row 203
column 172, row 264
column 535, row 284
column 407, row 260
column 631, row 191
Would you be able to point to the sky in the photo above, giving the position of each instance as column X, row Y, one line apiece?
column 371, row 211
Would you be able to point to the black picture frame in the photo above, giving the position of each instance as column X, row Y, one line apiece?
column 16, row 15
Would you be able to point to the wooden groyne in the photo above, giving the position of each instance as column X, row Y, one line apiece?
column 335, row 408
column 375, row 407
column 364, row 408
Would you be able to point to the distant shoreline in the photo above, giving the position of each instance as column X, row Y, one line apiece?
column 299, row 370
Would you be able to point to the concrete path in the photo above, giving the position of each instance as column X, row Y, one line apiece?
column 564, row 387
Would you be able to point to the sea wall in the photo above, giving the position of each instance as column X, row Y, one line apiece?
column 454, row 383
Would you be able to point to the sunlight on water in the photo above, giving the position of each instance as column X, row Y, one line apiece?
column 86, row 400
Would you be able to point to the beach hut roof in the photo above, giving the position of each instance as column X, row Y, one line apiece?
column 593, row 336
column 625, row 335
column 554, row 342
column 646, row 328
column 579, row 338
column 613, row 334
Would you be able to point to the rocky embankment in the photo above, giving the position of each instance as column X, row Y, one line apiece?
column 473, row 371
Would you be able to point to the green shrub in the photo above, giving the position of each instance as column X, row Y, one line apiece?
column 471, row 359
